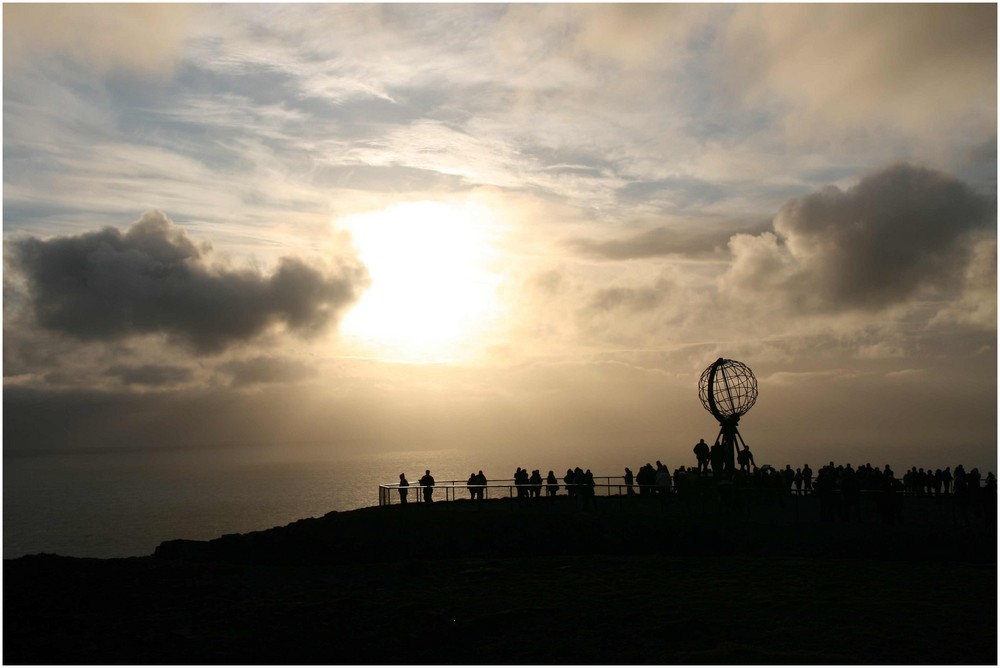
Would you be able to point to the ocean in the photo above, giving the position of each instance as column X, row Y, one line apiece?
column 124, row 504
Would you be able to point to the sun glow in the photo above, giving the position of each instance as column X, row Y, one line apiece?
column 433, row 295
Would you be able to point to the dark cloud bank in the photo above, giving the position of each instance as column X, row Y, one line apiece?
column 267, row 369
column 878, row 243
column 899, row 231
column 152, row 279
column 149, row 375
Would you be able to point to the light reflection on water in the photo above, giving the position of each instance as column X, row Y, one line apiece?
column 125, row 504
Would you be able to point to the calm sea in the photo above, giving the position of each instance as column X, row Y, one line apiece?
column 122, row 504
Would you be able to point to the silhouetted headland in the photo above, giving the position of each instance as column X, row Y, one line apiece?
column 475, row 582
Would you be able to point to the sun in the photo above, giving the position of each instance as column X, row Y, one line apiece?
column 433, row 295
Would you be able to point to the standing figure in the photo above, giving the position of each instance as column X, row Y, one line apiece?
column 569, row 479
column 551, row 484
column 427, row 484
column 702, row 452
column 716, row 458
column 629, row 479
column 404, row 488
column 663, row 484
column 787, row 477
column 535, row 489
column 521, row 482
column 481, row 489
column 588, row 490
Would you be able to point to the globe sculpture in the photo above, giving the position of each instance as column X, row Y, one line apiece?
column 728, row 389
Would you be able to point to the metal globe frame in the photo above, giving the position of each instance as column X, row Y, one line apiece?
column 728, row 390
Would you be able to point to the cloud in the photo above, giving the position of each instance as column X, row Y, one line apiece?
column 918, row 68
column 152, row 375
column 642, row 298
column 267, row 369
column 139, row 38
column 681, row 240
column 897, row 232
column 913, row 245
column 153, row 279
column 977, row 306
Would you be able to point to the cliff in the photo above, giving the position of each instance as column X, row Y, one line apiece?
column 500, row 583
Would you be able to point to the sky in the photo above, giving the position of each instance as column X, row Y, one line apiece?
column 319, row 230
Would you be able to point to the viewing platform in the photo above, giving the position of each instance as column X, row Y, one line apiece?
column 504, row 488
column 703, row 494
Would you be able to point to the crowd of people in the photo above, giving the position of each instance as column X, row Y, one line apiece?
column 837, row 486
column 528, row 488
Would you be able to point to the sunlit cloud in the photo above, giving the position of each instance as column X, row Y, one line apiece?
column 143, row 39
column 849, row 74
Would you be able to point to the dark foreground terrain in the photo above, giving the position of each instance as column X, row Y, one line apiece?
column 456, row 583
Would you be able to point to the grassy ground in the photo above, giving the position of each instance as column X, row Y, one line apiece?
column 341, row 589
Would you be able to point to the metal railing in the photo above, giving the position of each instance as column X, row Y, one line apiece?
column 503, row 488
column 612, row 486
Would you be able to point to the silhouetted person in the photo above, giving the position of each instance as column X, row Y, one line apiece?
column 702, row 452
column 849, row 495
column 551, row 484
column 826, row 489
column 962, row 494
column 946, row 480
column 716, row 457
column 807, row 478
column 404, row 488
column 521, row 484
column 922, row 486
column 663, row 484
column 787, row 477
column 629, row 479
column 745, row 459
column 797, row 481
column 682, row 485
column 646, row 480
column 569, row 479
column 989, row 501
column 588, row 490
column 481, row 486
column 976, row 497
column 536, row 484
column 471, row 484
column 427, row 484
